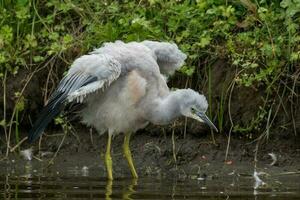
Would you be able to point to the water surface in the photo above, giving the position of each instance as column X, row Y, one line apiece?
column 85, row 187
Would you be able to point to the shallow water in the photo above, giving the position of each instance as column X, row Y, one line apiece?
column 85, row 187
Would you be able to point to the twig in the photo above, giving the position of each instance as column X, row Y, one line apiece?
column 185, row 126
column 73, row 132
column 268, row 123
column 14, row 112
column 61, row 143
column 37, row 158
column 15, row 147
column 174, row 148
column 278, row 107
column 91, row 136
column 230, row 118
column 47, row 83
column 256, row 152
column 17, row 101
column 4, row 104
column 40, row 144
column 292, row 107
column 54, row 135
column 210, row 101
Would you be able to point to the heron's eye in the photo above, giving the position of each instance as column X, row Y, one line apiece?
column 193, row 110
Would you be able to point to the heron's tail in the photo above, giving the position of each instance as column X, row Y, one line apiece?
column 49, row 112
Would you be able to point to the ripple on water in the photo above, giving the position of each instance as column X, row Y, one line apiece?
column 145, row 188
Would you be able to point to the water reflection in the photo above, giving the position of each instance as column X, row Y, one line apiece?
column 127, row 191
column 130, row 189
column 65, row 187
column 70, row 187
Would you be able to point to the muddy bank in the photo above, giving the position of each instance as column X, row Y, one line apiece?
column 156, row 155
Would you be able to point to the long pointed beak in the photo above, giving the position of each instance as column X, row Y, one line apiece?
column 206, row 120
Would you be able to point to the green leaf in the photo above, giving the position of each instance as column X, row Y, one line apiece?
column 67, row 39
column 20, row 105
column 38, row 58
column 30, row 41
column 286, row 3
column 6, row 34
column 189, row 71
column 22, row 3
column 2, row 123
column 204, row 41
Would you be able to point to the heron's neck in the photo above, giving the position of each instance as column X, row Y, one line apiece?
column 166, row 109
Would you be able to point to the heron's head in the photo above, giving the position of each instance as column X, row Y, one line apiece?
column 194, row 105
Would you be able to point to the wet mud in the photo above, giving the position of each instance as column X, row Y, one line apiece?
column 157, row 155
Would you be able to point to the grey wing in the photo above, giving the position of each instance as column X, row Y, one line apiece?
column 103, row 68
column 168, row 56
column 86, row 75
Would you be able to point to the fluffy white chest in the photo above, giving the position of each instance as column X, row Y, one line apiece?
column 117, row 108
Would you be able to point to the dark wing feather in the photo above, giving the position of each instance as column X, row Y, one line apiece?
column 57, row 102
column 86, row 75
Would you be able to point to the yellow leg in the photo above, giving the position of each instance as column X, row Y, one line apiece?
column 108, row 191
column 108, row 160
column 128, row 156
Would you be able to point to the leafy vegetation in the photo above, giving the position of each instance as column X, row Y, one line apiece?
column 259, row 39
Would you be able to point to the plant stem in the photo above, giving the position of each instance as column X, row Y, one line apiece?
column 210, row 101
column 4, row 104
column 17, row 128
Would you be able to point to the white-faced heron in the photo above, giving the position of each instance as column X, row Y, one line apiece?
column 123, row 87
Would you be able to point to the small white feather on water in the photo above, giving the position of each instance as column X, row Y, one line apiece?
column 27, row 154
column 258, row 182
column 200, row 179
column 85, row 171
column 274, row 158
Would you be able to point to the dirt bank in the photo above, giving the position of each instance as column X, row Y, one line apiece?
column 155, row 154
